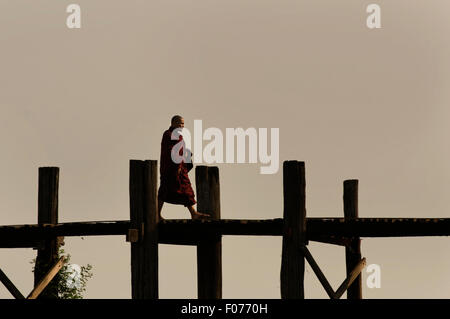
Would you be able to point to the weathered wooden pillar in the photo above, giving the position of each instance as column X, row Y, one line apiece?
column 352, row 251
column 209, row 250
column 143, row 224
column 47, row 255
column 294, row 231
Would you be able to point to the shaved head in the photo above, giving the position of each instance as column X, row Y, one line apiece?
column 177, row 121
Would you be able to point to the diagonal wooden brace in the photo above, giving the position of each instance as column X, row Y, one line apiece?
column 10, row 286
column 353, row 275
column 323, row 280
column 46, row 280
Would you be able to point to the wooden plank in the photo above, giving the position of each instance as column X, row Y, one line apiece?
column 349, row 280
column 38, row 289
column 47, row 214
column 294, row 231
column 143, row 211
column 379, row 227
column 315, row 267
column 209, row 248
column 195, row 229
column 10, row 286
column 330, row 230
column 318, row 229
column 352, row 251
column 36, row 232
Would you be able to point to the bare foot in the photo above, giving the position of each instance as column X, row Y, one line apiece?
column 198, row 215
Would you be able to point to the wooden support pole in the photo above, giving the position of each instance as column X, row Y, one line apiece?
column 46, row 279
column 294, row 231
column 143, row 217
column 10, row 286
column 352, row 251
column 209, row 248
column 47, row 214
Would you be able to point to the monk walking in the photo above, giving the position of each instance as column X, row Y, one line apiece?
column 175, row 185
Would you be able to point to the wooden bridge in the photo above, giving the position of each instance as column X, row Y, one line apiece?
column 145, row 232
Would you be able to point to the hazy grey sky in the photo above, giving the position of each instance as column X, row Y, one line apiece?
column 349, row 101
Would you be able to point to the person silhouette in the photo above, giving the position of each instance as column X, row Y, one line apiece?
column 175, row 186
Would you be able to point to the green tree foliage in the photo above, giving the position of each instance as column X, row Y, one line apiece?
column 68, row 283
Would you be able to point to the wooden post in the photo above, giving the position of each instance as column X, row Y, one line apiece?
column 294, row 231
column 209, row 250
column 47, row 255
column 352, row 251
column 143, row 217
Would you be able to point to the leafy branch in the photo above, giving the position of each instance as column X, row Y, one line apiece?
column 68, row 282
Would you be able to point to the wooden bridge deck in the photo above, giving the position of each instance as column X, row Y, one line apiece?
column 187, row 231
column 144, row 234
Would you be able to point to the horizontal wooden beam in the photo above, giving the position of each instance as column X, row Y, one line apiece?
column 35, row 232
column 378, row 227
column 328, row 230
column 188, row 232
column 269, row 227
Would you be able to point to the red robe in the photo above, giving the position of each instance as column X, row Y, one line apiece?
column 175, row 187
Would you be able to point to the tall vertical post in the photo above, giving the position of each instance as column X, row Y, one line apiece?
column 209, row 250
column 294, row 231
column 352, row 251
column 143, row 218
column 47, row 255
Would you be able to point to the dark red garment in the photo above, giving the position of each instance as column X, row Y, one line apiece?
column 175, row 186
